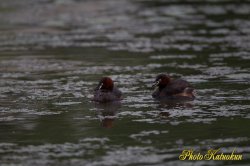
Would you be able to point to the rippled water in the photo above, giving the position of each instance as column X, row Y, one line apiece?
column 53, row 53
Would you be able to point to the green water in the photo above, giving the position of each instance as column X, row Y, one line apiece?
column 53, row 53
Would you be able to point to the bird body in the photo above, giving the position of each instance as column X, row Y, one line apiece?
column 106, row 91
column 168, row 88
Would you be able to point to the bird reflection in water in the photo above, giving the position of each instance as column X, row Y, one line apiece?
column 106, row 112
column 165, row 106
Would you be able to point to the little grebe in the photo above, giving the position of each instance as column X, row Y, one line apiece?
column 106, row 91
column 168, row 88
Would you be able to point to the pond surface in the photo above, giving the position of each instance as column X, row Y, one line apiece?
column 53, row 53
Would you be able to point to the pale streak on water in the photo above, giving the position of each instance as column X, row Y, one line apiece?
column 52, row 54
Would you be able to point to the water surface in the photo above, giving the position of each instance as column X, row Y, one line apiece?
column 53, row 53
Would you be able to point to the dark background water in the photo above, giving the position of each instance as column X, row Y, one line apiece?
column 53, row 53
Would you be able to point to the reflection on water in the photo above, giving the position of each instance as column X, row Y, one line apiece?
column 167, row 107
column 106, row 112
column 52, row 52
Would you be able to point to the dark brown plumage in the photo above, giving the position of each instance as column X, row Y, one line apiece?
column 106, row 91
column 167, row 88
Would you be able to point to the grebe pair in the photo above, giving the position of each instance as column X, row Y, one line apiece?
column 167, row 89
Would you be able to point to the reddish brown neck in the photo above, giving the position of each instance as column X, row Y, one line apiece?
column 106, row 84
column 163, row 82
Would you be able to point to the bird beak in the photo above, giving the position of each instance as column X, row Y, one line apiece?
column 100, row 86
column 155, row 84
